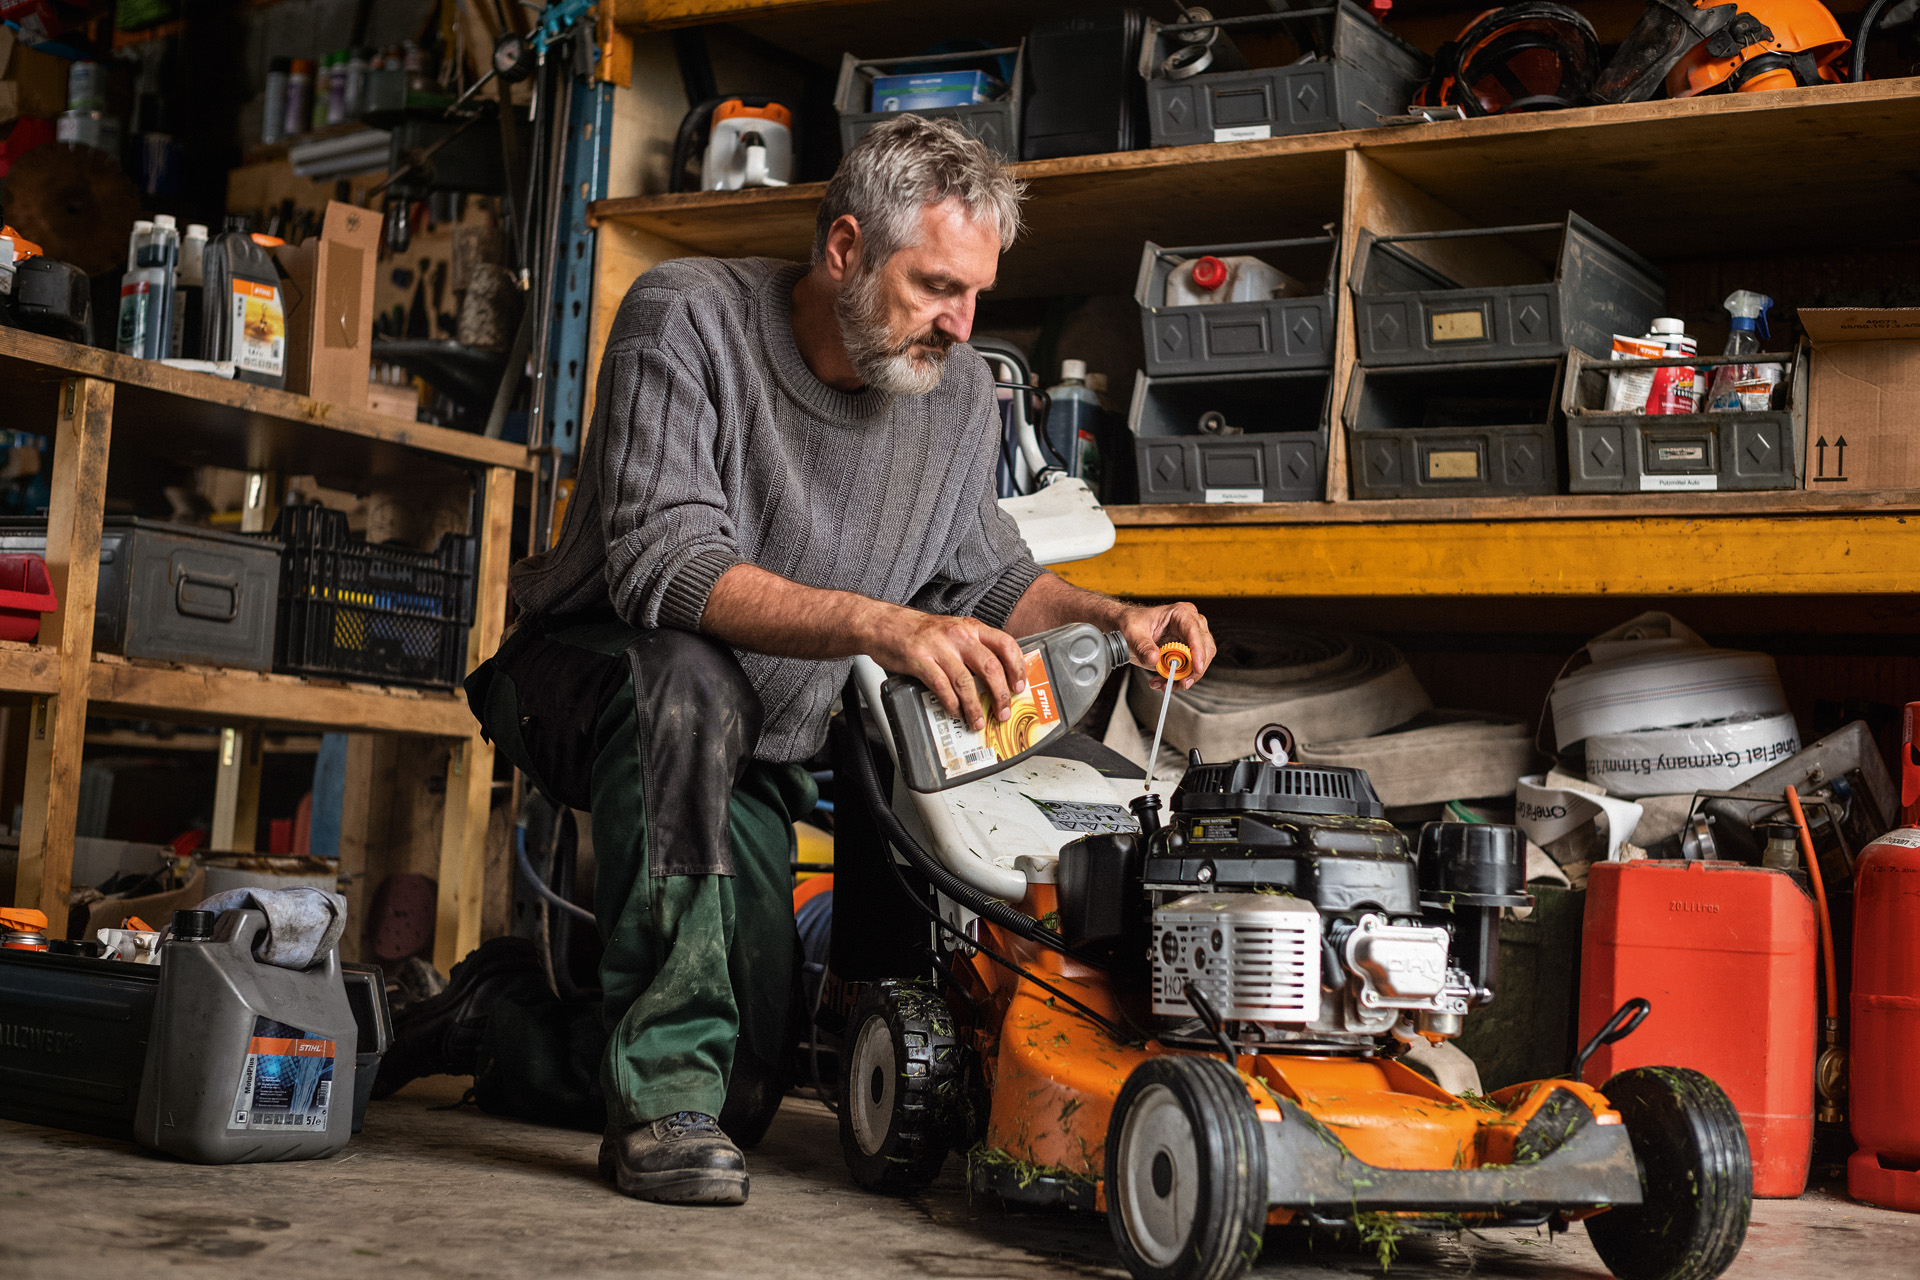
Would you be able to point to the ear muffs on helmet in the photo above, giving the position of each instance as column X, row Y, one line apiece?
column 1533, row 56
column 1771, row 44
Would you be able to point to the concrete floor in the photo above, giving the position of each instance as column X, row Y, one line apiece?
column 455, row 1193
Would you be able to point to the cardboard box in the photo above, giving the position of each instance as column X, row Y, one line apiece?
column 329, row 297
column 31, row 83
column 1863, row 410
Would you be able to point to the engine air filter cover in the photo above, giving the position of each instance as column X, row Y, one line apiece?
column 1259, row 787
column 1254, row 956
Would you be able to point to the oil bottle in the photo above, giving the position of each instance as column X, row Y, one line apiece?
column 247, row 1061
column 1066, row 668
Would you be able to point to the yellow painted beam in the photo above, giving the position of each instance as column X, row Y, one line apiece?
column 1820, row 555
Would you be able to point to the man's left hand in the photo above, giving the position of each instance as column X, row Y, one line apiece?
column 1146, row 629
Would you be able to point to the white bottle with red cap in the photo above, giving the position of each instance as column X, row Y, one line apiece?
column 1208, row 280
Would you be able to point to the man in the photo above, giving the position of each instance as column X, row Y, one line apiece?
column 788, row 467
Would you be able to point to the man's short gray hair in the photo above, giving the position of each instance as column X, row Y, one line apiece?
column 905, row 164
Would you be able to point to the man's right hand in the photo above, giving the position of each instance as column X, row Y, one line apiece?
column 945, row 654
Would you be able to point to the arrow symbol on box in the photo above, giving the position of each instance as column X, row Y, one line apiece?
column 1839, row 456
column 1821, row 445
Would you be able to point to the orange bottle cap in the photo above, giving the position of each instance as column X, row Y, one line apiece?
column 1174, row 653
column 23, row 919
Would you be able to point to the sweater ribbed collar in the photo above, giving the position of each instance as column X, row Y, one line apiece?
column 790, row 367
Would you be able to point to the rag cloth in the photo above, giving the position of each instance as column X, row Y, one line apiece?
column 303, row 924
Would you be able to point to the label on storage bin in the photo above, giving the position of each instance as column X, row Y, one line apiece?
column 259, row 328
column 1453, row 464
column 963, row 749
column 1457, row 326
column 286, row 1082
column 1664, row 484
column 1243, row 133
column 1236, row 495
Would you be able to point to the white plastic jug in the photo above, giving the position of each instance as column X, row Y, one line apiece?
column 748, row 147
column 1209, row 280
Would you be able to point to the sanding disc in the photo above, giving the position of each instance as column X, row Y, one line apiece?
column 75, row 203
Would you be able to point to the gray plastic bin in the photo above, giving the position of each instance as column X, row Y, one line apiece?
column 1363, row 72
column 1586, row 289
column 1280, row 455
column 1454, row 431
column 176, row 593
column 1240, row 337
column 1690, row 452
column 996, row 123
column 373, row 1019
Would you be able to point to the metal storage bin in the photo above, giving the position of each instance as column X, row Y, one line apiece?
column 1455, row 431
column 1281, row 455
column 996, row 123
column 76, row 1040
column 1590, row 288
column 1683, row 452
column 176, row 593
column 1364, row 72
column 1240, row 337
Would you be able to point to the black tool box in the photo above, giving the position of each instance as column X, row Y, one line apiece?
column 1231, row 437
column 995, row 123
column 1499, row 293
column 1455, row 431
column 1240, row 337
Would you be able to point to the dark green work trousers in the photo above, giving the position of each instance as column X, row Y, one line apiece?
column 652, row 732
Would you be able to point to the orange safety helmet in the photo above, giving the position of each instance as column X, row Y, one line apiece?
column 1772, row 44
column 1531, row 56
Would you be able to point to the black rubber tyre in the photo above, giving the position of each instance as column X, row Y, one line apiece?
column 1696, row 1179
column 1186, row 1171
column 902, row 1091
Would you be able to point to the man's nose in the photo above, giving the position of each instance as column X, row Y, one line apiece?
column 956, row 319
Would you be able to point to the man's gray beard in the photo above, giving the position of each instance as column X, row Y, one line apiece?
column 883, row 363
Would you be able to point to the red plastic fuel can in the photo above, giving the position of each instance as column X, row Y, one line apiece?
column 1885, row 1060
column 1728, row 956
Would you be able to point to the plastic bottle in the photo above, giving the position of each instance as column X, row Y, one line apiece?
column 246, row 1061
column 322, row 94
column 357, row 68
column 1209, row 280
column 86, row 88
column 1070, row 416
column 337, row 84
column 1066, row 669
column 1749, row 387
column 273, row 118
column 244, row 315
column 299, row 97
column 188, row 293
column 1674, row 388
column 136, row 335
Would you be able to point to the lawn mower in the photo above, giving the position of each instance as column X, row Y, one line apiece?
column 1191, row 1007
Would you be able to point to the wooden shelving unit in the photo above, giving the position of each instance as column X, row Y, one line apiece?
column 107, row 412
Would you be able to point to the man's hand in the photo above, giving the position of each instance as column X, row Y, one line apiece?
column 1146, row 629
column 945, row 654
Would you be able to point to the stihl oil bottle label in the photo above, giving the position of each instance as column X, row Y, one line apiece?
column 259, row 328
column 964, row 750
column 286, row 1081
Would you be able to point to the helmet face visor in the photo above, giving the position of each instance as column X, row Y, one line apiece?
column 1532, row 56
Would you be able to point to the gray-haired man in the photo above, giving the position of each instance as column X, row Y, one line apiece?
column 788, row 466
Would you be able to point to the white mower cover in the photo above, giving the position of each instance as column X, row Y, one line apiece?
column 1003, row 831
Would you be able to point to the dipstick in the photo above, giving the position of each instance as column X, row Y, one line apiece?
column 1174, row 658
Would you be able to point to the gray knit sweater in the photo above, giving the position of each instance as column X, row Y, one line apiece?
column 713, row 444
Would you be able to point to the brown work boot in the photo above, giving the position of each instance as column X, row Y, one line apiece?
column 683, row 1158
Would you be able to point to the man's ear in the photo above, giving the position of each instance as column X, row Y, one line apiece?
column 844, row 244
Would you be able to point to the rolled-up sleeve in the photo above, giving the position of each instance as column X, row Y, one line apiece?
column 669, row 531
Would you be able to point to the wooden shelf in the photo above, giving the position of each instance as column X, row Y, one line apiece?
column 197, row 418
column 1552, row 507
column 220, row 695
column 1644, row 555
column 1644, row 172
column 29, row 668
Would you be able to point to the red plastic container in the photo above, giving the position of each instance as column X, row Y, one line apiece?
column 1728, row 955
column 1885, row 1061
column 26, row 592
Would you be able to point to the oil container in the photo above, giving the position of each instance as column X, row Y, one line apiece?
column 246, row 1061
column 1727, row 954
column 1885, row 1005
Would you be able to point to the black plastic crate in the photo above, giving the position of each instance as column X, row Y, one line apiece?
column 1200, row 88
column 1231, row 437
column 75, row 1040
column 1516, row 299
column 385, row 613
column 1455, row 431
column 1290, row 332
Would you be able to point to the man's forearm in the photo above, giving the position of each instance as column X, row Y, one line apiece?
column 761, row 612
column 1053, row 602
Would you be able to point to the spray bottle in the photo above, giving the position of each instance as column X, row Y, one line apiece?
column 1066, row 669
column 1749, row 387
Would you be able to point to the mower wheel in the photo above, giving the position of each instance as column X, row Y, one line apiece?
column 1186, row 1171
column 1696, row 1179
column 902, row 1087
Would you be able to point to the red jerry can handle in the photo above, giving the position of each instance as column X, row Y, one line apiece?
column 1910, row 767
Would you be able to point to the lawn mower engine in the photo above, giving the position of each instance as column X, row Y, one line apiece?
column 1278, row 907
